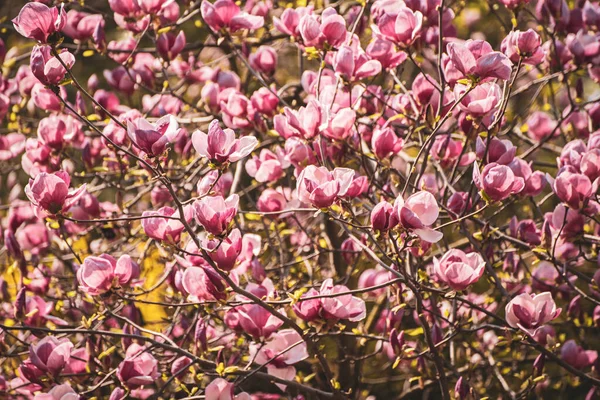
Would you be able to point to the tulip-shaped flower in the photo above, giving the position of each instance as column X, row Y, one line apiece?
column 227, row 14
column 477, row 59
column 498, row 151
column 386, row 53
column 139, row 367
column 534, row 180
column 331, row 29
column 280, row 353
column 576, row 356
column 38, row 21
column 258, row 322
column 268, row 167
column 383, row 217
column 572, row 188
column 342, row 306
column 51, row 354
column 170, row 45
column 320, row 187
column 220, row 389
column 221, row 146
column 497, row 182
column 418, row 213
column 165, row 224
column 459, row 270
column 264, row 60
column 50, row 192
column 401, row 28
column 98, row 275
column 81, row 26
column 354, row 64
column 216, row 213
column 385, row 142
column 153, row 138
column 224, row 252
column 308, row 310
column 47, row 68
column 480, row 101
column 303, row 122
column 203, row 283
column 525, row 46
column 529, row 313
column 59, row 392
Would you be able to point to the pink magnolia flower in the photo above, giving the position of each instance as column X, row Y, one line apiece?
column 384, row 142
column 540, row 125
column 383, row 217
column 418, row 213
column 153, row 138
column 258, row 322
column 220, row 389
column 224, row 253
column 47, row 68
column 45, row 98
column 211, row 183
column 459, row 270
column 51, row 354
column 402, row 27
column 98, row 275
column 170, row 45
column 284, row 349
column 139, row 367
column 331, row 29
column 216, row 213
column 476, row 58
column 55, row 131
column 448, row 151
column 38, row 21
column 529, row 313
column 354, row 64
column 164, row 224
column 268, row 167
column 290, row 19
column 498, row 151
column 264, row 101
column 572, row 188
column 303, row 122
column 342, row 306
column 481, row 101
column 498, row 182
column 58, row 392
column 50, row 192
column 81, row 25
column 227, row 14
column 386, row 53
column 264, row 60
column 525, row 46
column 308, row 310
column 11, row 145
column 576, row 356
column 203, row 283
column 320, row 187
column 535, row 181
column 221, row 145
column 271, row 200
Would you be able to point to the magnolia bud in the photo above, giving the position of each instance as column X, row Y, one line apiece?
column 538, row 365
column 461, row 389
column 200, row 336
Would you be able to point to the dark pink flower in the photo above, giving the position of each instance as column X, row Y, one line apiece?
column 139, row 368
column 38, row 21
column 51, row 354
column 227, row 14
column 476, row 58
column 530, row 312
column 50, row 192
column 215, row 213
column 498, row 182
column 459, row 270
column 153, row 138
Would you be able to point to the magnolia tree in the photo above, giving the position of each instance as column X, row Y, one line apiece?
column 376, row 199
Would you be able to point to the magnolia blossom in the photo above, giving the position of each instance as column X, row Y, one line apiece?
column 576, row 356
column 402, row 28
column 50, row 192
column 385, row 142
column 525, row 46
column 476, row 58
column 342, row 306
column 48, row 69
column 459, row 270
column 221, row 145
column 280, row 353
column 153, row 138
column 58, row 392
column 320, row 187
column 383, row 217
column 97, row 275
column 331, row 29
column 226, row 14
column 203, row 283
column 139, row 367
column 165, row 224
column 224, row 252
column 216, row 213
column 38, row 21
column 497, row 182
column 354, row 64
column 417, row 213
column 220, row 389
column 531, row 312
column 572, row 188
column 170, row 45
column 267, row 167
column 51, row 354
